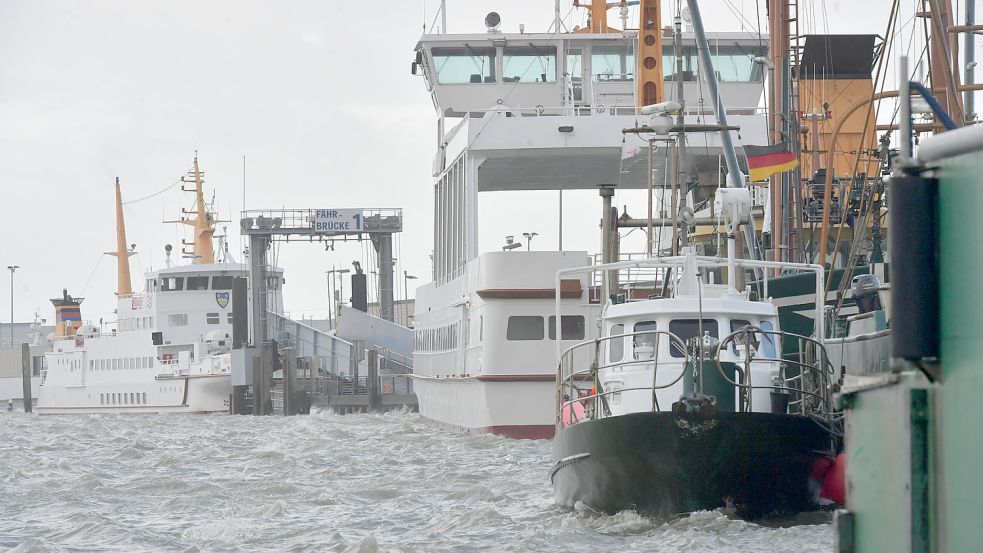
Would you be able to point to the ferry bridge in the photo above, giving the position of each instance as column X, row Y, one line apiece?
column 277, row 340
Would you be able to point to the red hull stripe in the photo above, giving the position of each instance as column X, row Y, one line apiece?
column 513, row 431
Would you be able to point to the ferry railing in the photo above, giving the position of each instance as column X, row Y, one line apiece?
column 595, row 403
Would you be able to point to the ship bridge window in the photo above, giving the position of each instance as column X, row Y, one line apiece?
column 571, row 327
column 530, row 64
column 171, row 284
column 686, row 329
column 524, row 327
column 735, row 65
column 464, row 65
column 764, row 344
column 198, row 283
column 643, row 345
column 222, row 283
column 612, row 63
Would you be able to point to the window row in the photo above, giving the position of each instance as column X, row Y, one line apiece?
column 138, row 323
column 130, row 398
column 644, row 346
column 181, row 319
column 442, row 338
column 537, row 64
column 121, row 363
column 172, row 283
column 532, row 327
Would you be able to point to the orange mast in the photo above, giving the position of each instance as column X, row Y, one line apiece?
column 122, row 253
column 201, row 220
column 650, row 80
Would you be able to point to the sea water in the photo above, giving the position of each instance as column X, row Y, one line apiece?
column 324, row 482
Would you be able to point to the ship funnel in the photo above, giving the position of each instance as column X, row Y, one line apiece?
column 68, row 314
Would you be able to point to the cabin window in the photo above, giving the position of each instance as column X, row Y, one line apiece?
column 643, row 345
column 171, row 284
column 768, row 348
column 612, row 63
column 571, row 327
column 102, row 399
column 524, row 327
column 735, row 65
column 464, row 65
column 228, row 317
column 687, row 329
column 616, row 344
column 198, row 283
column 178, row 319
column 222, row 283
column 144, row 398
column 529, row 64
column 212, row 318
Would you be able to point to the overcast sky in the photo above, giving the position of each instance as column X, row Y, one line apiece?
column 316, row 94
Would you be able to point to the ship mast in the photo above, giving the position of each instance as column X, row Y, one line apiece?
column 122, row 254
column 204, row 224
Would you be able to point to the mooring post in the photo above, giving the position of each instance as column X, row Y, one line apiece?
column 25, row 357
column 372, row 381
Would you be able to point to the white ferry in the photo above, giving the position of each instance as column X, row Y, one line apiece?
column 543, row 111
column 170, row 350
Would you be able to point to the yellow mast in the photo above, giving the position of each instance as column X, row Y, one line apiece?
column 202, row 221
column 122, row 254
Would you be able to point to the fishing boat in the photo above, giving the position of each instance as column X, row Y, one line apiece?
column 545, row 112
column 170, row 349
column 688, row 401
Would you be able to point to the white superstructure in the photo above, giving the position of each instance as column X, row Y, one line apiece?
column 537, row 112
column 169, row 351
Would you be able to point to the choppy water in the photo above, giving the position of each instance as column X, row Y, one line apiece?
column 325, row 482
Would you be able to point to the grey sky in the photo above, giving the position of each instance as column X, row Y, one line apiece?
column 316, row 94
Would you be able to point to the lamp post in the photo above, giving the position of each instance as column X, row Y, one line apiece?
column 12, row 268
column 529, row 236
column 333, row 308
column 406, row 297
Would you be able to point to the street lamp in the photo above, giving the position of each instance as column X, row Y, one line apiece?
column 406, row 297
column 529, row 236
column 12, row 268
column 332, row 307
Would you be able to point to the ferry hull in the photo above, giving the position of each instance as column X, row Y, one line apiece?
column 518, row 408
column 657, row 464
column 202, row 394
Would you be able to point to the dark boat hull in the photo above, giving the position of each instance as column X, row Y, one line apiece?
column 659, row 464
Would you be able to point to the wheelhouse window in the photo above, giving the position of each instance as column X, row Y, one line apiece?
column 735, row 65
column 612, row 63
column 571, row 327
column 616, row 344
column 529, row 64
column 171, row 284
column 222, row 283
column 643, row 345
column 464, row 65
column 524, row 327
column 687, row 329
column 198, row 283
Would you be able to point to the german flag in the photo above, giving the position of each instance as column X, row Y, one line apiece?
column 765, row 161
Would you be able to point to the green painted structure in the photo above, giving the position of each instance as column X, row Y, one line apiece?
column 914, row 446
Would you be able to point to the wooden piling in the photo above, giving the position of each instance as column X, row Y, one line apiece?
column 25, row 357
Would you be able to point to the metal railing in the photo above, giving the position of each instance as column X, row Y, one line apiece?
column 806, row 375
column 595, row 401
